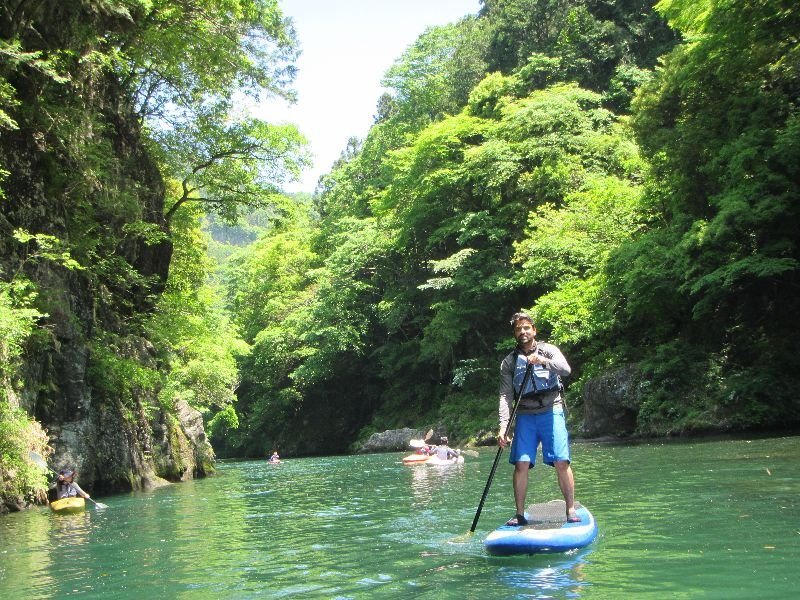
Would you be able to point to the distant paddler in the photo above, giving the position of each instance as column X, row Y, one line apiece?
column 70, row 496
column 445, row 455
column 422, row 454
column 66, row 486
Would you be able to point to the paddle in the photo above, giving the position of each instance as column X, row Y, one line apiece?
column 500, row 450
column 37, row 458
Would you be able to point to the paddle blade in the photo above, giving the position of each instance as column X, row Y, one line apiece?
column 37, row 459
column 98, row 505
column 461, row 539
column 417, row 443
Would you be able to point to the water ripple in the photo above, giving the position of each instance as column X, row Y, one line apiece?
column 371, row 527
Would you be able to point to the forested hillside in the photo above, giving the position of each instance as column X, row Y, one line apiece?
column 627, row 173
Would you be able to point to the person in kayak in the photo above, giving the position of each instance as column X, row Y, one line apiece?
column 443, row 451
column 274, row 458
column 66, row 487
column 540, row 414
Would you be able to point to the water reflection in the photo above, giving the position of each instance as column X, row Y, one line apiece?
column 560, row 575
column 26, row 556
column 46, row 553
column 428, row 481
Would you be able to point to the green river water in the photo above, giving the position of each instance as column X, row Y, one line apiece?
column 700, row 519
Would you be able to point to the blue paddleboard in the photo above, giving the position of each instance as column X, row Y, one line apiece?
column 547, row 531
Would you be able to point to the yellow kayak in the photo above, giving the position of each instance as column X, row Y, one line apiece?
column 68, row 505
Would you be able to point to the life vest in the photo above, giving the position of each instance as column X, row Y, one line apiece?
column 65, row 490
column 541, row 381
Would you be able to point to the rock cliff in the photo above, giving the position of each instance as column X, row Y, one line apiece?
column 77, row 169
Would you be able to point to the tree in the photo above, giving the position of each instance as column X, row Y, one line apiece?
column 719, row 123
column 434, row 75
column 230, row 167
column 599, row 44
column 210, row 55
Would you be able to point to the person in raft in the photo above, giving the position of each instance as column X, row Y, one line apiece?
column 443, row 451
column 540, row 414
column 66, row 487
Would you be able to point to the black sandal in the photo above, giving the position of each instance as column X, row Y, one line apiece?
column 517, row 521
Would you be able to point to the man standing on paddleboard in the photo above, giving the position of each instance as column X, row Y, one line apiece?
column 540, row 415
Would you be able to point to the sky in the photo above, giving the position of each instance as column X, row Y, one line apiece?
column 347, row 46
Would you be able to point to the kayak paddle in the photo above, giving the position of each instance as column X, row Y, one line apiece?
column 500, row 450
column 37, row 458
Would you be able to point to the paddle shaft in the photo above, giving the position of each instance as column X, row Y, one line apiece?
column 500, row 449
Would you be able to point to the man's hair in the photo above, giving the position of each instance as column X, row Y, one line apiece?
column 520, row 316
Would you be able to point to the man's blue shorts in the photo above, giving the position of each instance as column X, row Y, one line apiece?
column 549, row 428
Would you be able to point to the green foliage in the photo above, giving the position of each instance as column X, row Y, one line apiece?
column 17, row 320
column 486, row 98
column 623, row 85
column 719, row 268
column 451, row 207
column 196, row 342
column 469, row 415
column 20, row 480
column 40, row 247
column 19, row 313
column 270, row 287
column 434, row 76
column 588, row 47
column 539, row 72
column 187, row 96
column 223, row 422
column 15, row 57
column 117, row 373
column 342, row 311
column 554, row 149
column 270, row 279
column 498, row 175
column 228, row 167
column 593, row 42
column 518, row 28
column 178, row 55
column 567, row 249
column 459, row 208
